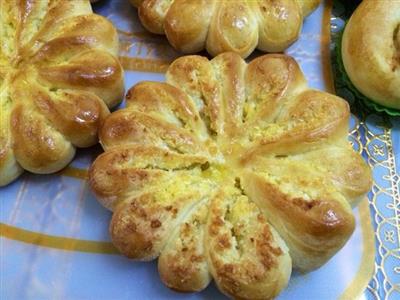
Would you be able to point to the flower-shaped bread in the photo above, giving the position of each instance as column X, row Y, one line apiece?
column 230, row 171
column 58, row 74
column 226, row 25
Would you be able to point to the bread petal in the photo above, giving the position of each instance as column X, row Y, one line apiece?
column 247, row 258
column 183, row 263
column 311, row 216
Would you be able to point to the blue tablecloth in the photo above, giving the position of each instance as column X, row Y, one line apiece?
column 54, row 234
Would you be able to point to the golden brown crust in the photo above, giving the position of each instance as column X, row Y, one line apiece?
column 8, row 164
column 313, row 227
column 270, row 81
column 139, row 227
column 199, row 169
column 186, row 36
column 37, row 147
column 221, row 26
column 233, row 28
column 58, row 74
column 152, row 14
column 352, row 176
column 275, row 31
column 230, row 70
column 194, row 75
column 309, row 120
column 130, row 168
column 377, row 77
column 246, row 257
column 183, row 263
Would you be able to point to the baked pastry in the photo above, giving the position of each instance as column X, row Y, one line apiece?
column 371, row 51
column 230, row 171
column 220, row 26
column 59, row 73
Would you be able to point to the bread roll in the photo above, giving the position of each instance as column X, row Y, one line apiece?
column 59, row 74
column 229, row 172
column 371, row 51
column 220, row 26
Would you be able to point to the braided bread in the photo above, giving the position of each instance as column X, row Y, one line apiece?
column 371, row 51
column 220, row 26
column 58, row 76
column 230, row 171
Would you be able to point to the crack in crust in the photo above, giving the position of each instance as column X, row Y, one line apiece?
column 229, row 171
column 396, row 43
column 58, row 77
column 224, row 25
